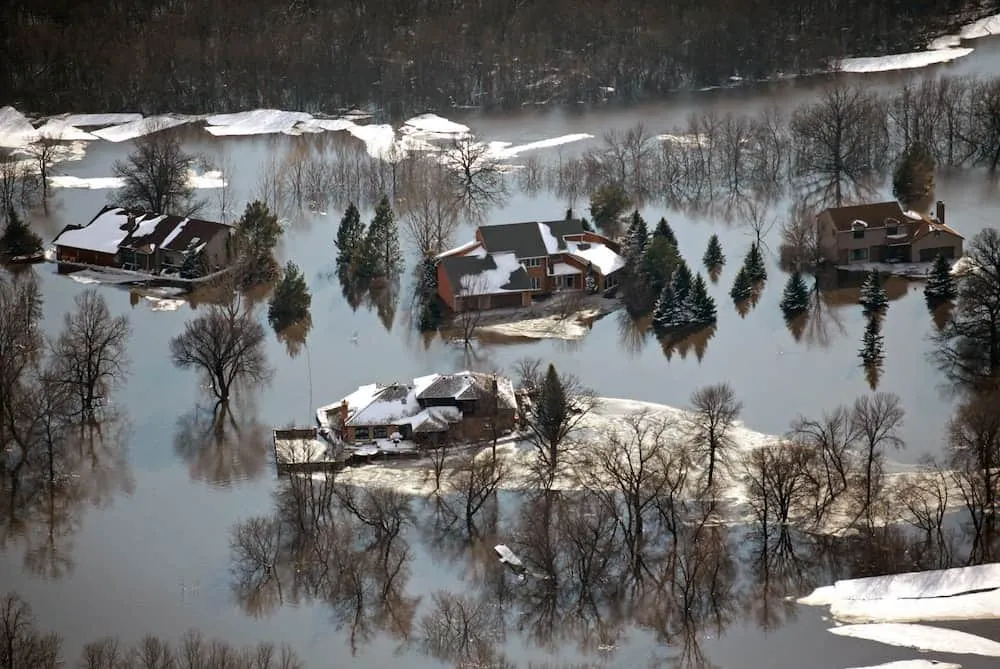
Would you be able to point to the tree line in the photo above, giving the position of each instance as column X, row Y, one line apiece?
column 405, row 56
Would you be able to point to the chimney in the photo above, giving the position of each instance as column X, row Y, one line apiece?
column 343, row 413
column 940, row 212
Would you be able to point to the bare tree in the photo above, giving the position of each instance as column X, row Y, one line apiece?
column 227, row 345
column 831, row 439
column 754, row 214
column 841, row 142
column 157, row 176
column 475, row 479
column 799, row 241
column 43, row 153
column 876, row 420
column 985, row 114
column 974, row 442
column 714, row 409
column 90, row 357
column 528, row 372
column 430, row 209
column 463, row 630
column 21, row 644
column 19, row 184
column 21, row 341
column 476, row 173
column 925, row 497
column 777, row 483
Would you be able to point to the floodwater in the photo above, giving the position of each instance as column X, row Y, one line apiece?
column 153, row 555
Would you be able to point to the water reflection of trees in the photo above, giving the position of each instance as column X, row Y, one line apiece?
column 222, row 444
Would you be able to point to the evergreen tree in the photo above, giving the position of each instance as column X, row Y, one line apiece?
column 665, row 313
column 702, row 306
column 258, row 231
column 291, row 299
column 350, row 238
column 940, row 286
column 913, row 179
column 427, row 285
column 682, row 281
column 658, row 264
column 795, row 299
column 637, row 238
column 569, row 214
column 193, row 266
column 382, row 257
column 607, row 204
column 587, row 227
column 742, row 286
column 590, row 283
column 713, row 258
column 872, row 342
column 754, row 264
column 873, row 297
column 664, row 230
column 18, row 239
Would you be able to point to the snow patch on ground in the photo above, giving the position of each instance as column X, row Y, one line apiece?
column 913, row 664
column 93, row 183
column 902, row 61
column 379, row 138
column 546, row 327
column 256, row 122
column 91, row 120
column 918, row 270
column 945, row 42
column 505, row 150
column 84, row 279
column 60, row 130
column 163, row 304
column 15, row 128
column 963, row 593
column 981, row 28
column 140, row 128
column 922, row 637
column 434, row 126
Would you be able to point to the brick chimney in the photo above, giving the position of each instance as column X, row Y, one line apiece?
column 343, row 413
column 939, row 212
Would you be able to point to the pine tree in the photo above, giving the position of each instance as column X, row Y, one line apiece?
column 940, row 286
column 913, row 179
column 681, row 283
column 742, row 286
column 637, row 238
column 702, row 308
column 795, row 299
column 427, row 285
column 382, row 257
column 754, row 264
column 873, row 297
column 607, row 203
column 258, row 231
column 193, row 266
column 291, row 299
column 872, row 342
column 350, row 238
column 713, row 258
column 664, row 230
column 18, row 239
column 587, row 227
column 665, row 312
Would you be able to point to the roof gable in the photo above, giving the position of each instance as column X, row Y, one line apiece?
column 486, row 275
column 114, row 227
column 530, row 239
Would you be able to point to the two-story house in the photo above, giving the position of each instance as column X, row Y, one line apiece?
column 507, row 265
column 883, row 232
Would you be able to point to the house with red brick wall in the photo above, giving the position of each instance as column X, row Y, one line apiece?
column 509, row 264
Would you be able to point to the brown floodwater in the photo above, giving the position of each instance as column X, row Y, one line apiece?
column 150, row 553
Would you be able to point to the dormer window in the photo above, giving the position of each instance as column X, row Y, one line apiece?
column 858, row 229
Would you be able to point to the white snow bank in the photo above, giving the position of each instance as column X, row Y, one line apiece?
column 379, row 138
column 922, row 637
column 256, row 122
column 945, row 42
column 547, row 327
column 504, row 150
column 434, row 125
column 140, row 128
column 902, row 61
column 163, row 304
column 322, row 125
column 981, row 28
column 963, row 593
column 915, row 270
column 15, row 128
column 90, row 120
column 210, row 179
column 913, row 664
column 86, row 280
column 93, row 183
column 59, row 129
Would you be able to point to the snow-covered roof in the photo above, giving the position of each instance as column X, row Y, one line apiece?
column 561, row 268
column 491, row 280
column 600, row 256
column 858, row 223
column 473, row 249
column 549, row 239
column 103, row 234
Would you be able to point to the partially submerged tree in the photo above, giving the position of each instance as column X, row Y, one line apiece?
column 872, row 351
column 90, row 357
column 350, row 240
column 18, row 239
column 556, row 411
column 876, row 420
column 21, row 643
column 157, row 176
column 795, row 299
column 714, row 409
column 291, row 299
column 940, row 286
column 713, row 258
column 477, row 174
column 43, row 154
column 382, row 257
column 607, row 204
column 742, row 286
column 754, row 264
column 873, row 297
column 257, row 233
column 430, row 209
column 913, row 180
column 226, row 344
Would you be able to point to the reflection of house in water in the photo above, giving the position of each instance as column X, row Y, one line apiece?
column 434, row 408
column 883, row 232
column 839, row 288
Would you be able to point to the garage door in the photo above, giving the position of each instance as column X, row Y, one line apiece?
column 926, row 255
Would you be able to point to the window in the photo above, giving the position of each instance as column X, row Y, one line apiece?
column 859, row 233
column 380, row 432
column 892, row 230
column 569, row 281
column 611, row 281
column 859, row 254
column 532, row 262
column 360, row 433
column 536, row 283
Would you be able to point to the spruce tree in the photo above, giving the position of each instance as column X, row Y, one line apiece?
column 350, row 238
column 18, row 239
column 873, row 297
column 590, row 283
column 913, row 179
column 713, row 258
column 291, row 299
column 681, row 283
column 742, row 286
column 665, row 311
column 702, row 309
column 754, row 263
column 795, row 299
column 587, row 227
column 664, row 230
column 637, row 239
column 940, row 286
column 872, row 342
column 382, row 257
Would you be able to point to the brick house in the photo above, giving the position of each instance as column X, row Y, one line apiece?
column 883, row 232
column 507, row 265
column 140, row 241
column 462, row 406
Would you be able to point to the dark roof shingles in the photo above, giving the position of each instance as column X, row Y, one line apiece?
column 524, row 239
column 874, row 214
column 455, row 267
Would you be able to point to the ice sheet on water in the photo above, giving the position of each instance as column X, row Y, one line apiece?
column 902, row 61
column 256, row 122
column 922, row 637
column 140, row 128
column 15, row 128
column 913, row 664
